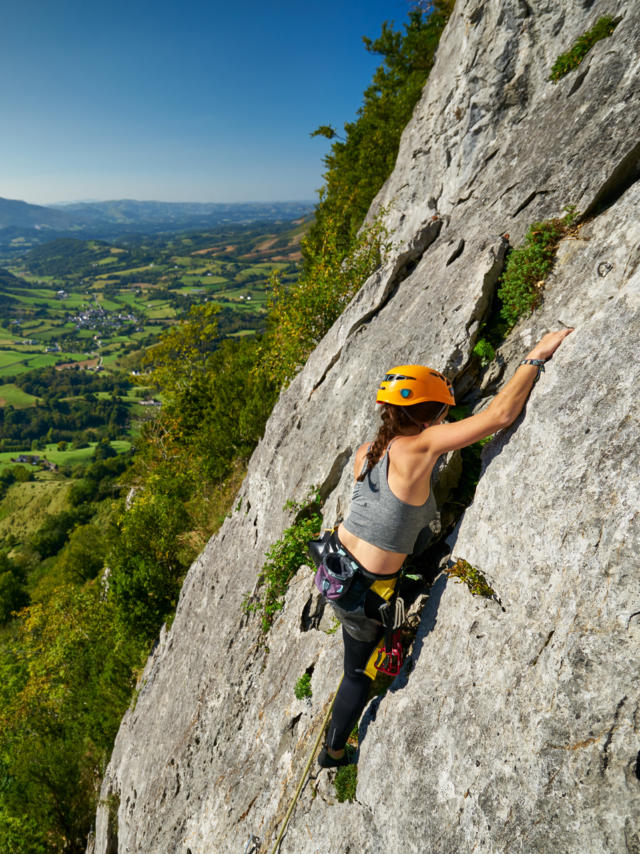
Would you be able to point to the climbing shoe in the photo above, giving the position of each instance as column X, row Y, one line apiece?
column 326, row 760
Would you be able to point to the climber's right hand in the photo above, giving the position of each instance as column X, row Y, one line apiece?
column 549, row 344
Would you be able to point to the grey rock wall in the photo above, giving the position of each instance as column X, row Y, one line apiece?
column 514, row 727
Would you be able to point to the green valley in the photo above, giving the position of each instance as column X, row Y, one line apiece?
column 94, row 303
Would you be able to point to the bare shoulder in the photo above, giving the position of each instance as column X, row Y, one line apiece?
column 410, row 457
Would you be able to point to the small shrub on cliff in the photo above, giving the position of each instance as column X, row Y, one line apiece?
column 484, row 351
column 566, row 62
column 303, row 687
column 284, row 559
column 346, row 782
column 464, row 573
column 520, row 286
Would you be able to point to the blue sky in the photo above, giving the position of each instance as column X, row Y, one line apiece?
column 178, row 101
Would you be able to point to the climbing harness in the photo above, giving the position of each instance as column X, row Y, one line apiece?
column 340, row 578
column 342, row 581
column 305, row 772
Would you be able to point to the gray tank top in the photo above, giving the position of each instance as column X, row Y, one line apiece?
column 378, row 517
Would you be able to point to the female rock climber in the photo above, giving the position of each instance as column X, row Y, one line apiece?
column 392, row 502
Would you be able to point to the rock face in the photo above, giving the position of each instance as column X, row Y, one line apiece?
column 514, row 726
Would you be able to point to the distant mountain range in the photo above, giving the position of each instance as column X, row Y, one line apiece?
column 23, row 225
column 16, row 214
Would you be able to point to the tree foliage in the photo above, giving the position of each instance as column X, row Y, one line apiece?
column 207, row 426
column 359, row 164
column 13, row 591
column 82, row 558
column 301, row 315
column 146, row 564
column 184, row 351
column 54, row 531
column 65, row 681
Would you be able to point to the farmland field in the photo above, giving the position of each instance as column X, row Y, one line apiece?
column 11, row 395
column 13, row 362
column 73, row 300
column 72, row 457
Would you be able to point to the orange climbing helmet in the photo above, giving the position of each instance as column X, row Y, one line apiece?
column 405, row 385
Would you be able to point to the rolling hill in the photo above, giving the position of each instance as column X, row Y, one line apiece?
column 23, row 225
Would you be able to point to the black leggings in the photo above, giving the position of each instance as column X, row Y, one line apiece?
column 354, row 689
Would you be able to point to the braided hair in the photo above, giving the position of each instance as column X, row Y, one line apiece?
column 395, row 422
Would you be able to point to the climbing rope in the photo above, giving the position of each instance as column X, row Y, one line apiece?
column 304, row 773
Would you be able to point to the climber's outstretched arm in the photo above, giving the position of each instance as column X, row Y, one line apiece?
column 501, row 412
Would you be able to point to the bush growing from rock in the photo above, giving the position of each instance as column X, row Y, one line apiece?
column 566, row 62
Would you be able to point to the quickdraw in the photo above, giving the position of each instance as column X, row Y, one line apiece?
column 389, row 661
column 389, row 658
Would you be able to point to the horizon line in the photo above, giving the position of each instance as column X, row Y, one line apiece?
column 162, row 201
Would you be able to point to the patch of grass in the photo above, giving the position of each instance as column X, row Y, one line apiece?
column 80, row 455
column 10, row 357
column 572, row 58
column 303, row 687
column 464, row 573
column 284, row 558
column 527, row 267
column 346, row 782
column 14, row 362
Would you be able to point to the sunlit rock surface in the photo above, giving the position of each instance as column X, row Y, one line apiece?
column 515, row 726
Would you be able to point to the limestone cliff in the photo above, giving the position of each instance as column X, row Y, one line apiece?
column 513, row 727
